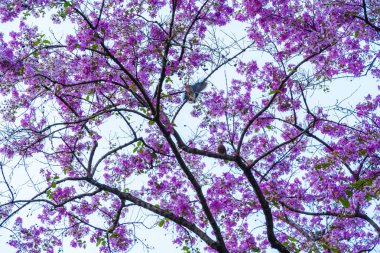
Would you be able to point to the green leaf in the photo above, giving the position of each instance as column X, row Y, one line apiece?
column 53, row 184
column 361, row 183
column 325, row 246
column 349, row 193
column 20, row 71
column 345, row 202
column 37, row 42
column 66, row 5
column 356, row 34
column 168, row 79
column 62, row 14
column 186, row 249
column 151, row 122
column 161, row 223
column 275, row 204
column 49, row 194
column 322, row 165
column 292, row 239
column 273, row 92
column 154, row 155
column 135, row 149
column 368, row 197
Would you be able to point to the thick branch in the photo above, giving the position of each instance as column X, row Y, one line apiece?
column 164, row 213
column 270, row 102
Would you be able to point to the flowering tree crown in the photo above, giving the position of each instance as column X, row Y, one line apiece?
column 93, row 121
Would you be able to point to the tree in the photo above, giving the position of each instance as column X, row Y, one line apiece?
column 97, row 112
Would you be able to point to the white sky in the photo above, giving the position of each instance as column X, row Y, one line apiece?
column 157, row 237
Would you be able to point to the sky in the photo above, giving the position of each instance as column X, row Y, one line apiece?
column 345, row 90
column 157, row 238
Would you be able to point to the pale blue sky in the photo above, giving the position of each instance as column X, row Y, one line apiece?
column 156, row 237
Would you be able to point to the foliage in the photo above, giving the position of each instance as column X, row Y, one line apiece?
column 91, row 120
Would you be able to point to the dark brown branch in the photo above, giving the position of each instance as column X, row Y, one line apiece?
column 112, row 152
column 195, row 19
column 165, row 56
column 366, row 19
column 117, row 217
column 100, row 14
column 275, row 243
column 282, row 85
column 357, row 214
column 188, row 149
column 5, row 180
column 221, row 247
column 164, row 213
column 279, row 146
column 89, row 166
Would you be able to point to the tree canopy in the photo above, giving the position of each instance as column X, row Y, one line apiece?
column 93, row 143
